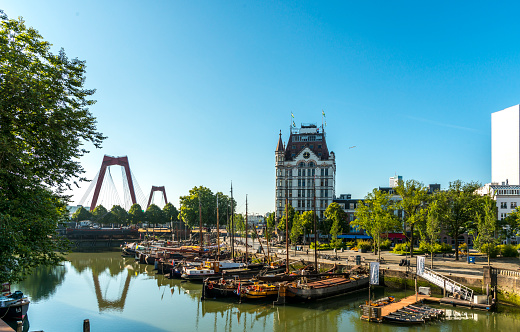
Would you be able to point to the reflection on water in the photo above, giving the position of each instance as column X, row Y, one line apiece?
column 118, row 294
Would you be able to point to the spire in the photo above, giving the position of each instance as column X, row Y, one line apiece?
column 279, row 147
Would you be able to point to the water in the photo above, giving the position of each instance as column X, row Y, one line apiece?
column 118, row 294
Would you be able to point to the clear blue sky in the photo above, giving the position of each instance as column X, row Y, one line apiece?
column 195, row 92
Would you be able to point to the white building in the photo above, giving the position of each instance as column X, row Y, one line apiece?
column 394, row 181
column 505, row 146
column 304, row 167
column 507, row 198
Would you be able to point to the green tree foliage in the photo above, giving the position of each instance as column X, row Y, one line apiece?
column 291, row 212
column 376, row 216
column 307, row 222
column 486, row 216
column 458, row 211
column 208, row 203
column 296, row 229
column 170, row 212
column 154, row 215
column 433, row 222
column 120, row 216
column 81, row 214
column 335, row 213
column 270, row 226
column 99, row 214
column 414, row 196
column 510, row 225
column 44, row 124
column 136, row 214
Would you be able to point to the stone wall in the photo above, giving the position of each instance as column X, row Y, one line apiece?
column 507, row 282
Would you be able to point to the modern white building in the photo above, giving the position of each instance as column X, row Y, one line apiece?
column 505, row 146
column 304, row 168
column 394, row 181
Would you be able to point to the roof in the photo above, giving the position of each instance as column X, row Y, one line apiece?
column 312, row 138
column 279, row 147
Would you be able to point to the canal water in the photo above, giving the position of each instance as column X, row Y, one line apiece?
column 118, row 294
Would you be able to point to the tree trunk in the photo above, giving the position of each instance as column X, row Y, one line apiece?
column 431, row 265
column 457, row 247
column 411, row 241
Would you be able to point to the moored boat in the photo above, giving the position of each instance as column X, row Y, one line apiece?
column 13, row 305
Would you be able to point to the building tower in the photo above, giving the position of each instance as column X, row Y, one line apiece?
column 304, row 159
column 505, row 146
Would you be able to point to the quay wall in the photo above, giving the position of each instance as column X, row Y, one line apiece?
column 507, row 282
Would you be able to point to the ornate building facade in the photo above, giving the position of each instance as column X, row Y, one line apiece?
column 305, row 171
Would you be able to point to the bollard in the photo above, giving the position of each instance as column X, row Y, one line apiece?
column 86, row 325
column 19, row 326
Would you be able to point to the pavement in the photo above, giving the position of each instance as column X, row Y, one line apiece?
column 441, row 263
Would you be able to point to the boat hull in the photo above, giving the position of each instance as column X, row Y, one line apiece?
column 326, row 288
column 15, row 311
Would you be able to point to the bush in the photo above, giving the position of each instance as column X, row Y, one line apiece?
column 401, row 248
column 489, row 249
column 351, row 244
column 424, row 247
column 463, row 246
column 508, row 250
column 385, row 244
column 445, row 247
column 364, row 245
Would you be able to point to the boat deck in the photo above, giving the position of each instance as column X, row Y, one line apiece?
column 327, row 282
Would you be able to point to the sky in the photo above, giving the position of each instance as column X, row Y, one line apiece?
column 196, row 92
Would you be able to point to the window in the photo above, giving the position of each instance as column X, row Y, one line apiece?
column 513, row 205
column 293, row 155
column 311, row 165
column 303, row 193
column 299, row 172
column 299, row 182
column 299, row 193
column 293, row 147
column 303, row 183
column 503, row 205
column 312, row 171
column 326, row 171
column 311, row 146
column 319, row 146
column 326, row 193
column 303, row 172
column 319, row 154
column 326, row 182
column 299, row 202
column 322, row 173
column 302, row 164
column 290, row 193
column 321, row 182
column 308, row 204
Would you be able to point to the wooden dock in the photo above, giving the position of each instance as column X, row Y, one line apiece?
column 419, row 298
column 4, row 327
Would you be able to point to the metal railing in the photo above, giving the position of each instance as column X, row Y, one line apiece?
column 448, row 284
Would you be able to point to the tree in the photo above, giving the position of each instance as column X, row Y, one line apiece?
column 376, row 216
column 291, row 212
column 269, row 229
column 136, row 214
column 208, row 204
column 44, row 125
column 414, row 196
column 120, row 214
column 307, row 223
column 99, row 214
column 509, row 225
column 459, row 210
column 433, row 222
column 486, row 216
column 170, row 212
column 296, row 229
column 81, row 214
column 335, row 213
column 154, row 215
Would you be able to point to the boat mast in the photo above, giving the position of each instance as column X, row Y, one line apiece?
column 286, row 226
column 200, row 227
column 246, row 231
column 218, row 235
column 232, row 226
column 315, row 233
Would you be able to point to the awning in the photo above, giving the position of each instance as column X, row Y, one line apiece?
column 396, row 236
column 354, row 236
